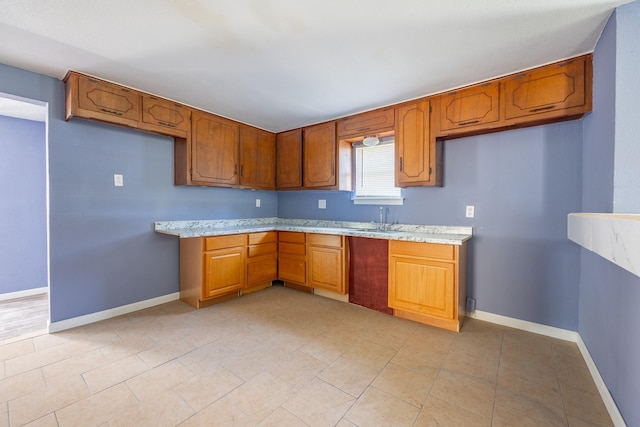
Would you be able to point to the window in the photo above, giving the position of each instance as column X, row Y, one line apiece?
column 375, row 174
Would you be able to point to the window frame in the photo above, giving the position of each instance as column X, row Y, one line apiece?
column 374, row 200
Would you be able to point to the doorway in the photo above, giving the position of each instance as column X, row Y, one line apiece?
column 24, row 218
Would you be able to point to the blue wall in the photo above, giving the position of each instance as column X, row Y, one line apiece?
column 23, row 212
column 608, row 311
column 104, row 253
column 523, row 184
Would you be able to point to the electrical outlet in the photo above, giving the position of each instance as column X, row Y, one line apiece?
column 257, row 203
column 471, row 305
column 118, row 180
column 322, row 204
column 470, row 212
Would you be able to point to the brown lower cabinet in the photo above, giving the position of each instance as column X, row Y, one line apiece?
column 427, row 282
column 222, row 266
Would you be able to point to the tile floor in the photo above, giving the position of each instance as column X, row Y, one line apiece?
column 280, row 357
column 23, row 317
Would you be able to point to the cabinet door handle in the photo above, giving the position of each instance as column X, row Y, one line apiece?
column 363, row 129
column 171, row 125
column 400, row 164
column 117, row 113
column 235, row 169
column 548, row 107
column 470, row 122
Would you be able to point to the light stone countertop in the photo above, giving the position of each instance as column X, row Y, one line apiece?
column 407, row 232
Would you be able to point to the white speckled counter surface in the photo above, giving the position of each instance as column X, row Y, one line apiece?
column 413, row 233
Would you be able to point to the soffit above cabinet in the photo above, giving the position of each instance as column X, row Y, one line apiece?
column 284, row 64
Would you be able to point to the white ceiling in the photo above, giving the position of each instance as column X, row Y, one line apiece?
column 282, row 64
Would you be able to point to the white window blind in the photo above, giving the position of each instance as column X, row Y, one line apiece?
column 375, row 172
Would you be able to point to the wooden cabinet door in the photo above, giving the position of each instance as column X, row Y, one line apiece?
column 319, row 152
column 214, row 150
column 369, row 123
column 292, row 257
column 422, row 286
column 106, row 101
column 224, row 271
column 257, row 158
column 554, row 90
column 289, row 159
column 326, row 269
column 476, row 107
column 164, row 116
column 262, row 259
column 413, row 150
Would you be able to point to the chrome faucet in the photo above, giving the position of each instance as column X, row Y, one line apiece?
column 382, row 225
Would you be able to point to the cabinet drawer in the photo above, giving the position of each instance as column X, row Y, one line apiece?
column 291, row 236
column 330, row 240
column 259, row 238
column 220, row 242
column 292, row 248
column 259, row 250
column 422, row 250
column 365, row 124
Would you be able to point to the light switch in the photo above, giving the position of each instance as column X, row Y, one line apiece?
column 118, row 180
column 322, row 204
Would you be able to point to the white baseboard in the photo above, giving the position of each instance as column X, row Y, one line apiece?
column 614, row 413
column 108, row 314
column 23, row 294
column 566, row 335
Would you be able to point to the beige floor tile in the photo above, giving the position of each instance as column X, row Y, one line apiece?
column 325, row 349
column 577, row 422
column 38, row 359
column 21, row 384
column 474, row 365
column 536, row 382
column 149, row 384
column 420, row 359
column 202, row 390
column 165, row 410
column 528, row 407
column 503, row 417
column 251, row 362
column 16, row 349
column 78, row 364
column 437, row 412
column 370, row 354
column 404, row 383
column 128, row 346
column 222, row 413
column 46, row 421
column 377, row 408
column 297, row 368
column 585, row 404
column 98, row 408
column 319, row 404
column 61, row 392
column 345, row 423
column 349, row 376
column 206, row 358
column 63, row 337
column 471, row 394
column 4, row 415
column 165, row 352
column 242, row 340
column 109, row 375
column 260, row 396
column 346, row 333
column 281, row 417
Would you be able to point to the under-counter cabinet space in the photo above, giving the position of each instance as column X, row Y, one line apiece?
column 558, row 90
column 211, row 267
column 262, row 260
column 292, row 257
column 427, row 282
column 418, row 155
column 327, row 262
column 91, row 98
column 214, row 150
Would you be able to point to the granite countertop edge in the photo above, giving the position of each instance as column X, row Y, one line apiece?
column 455, row 235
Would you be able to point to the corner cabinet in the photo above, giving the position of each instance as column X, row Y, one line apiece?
column 292, row 257
column 257, row 158
column 262, row 260
column 427, row 282
column 289, row 160
column 214, row 150
column 418, row 155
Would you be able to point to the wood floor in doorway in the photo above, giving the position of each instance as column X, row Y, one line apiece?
column 22, row 317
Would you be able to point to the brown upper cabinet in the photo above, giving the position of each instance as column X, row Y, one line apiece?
column 416, row 150
column 364, row 124
column 257, row 158
column 289, row 159
column 470, row 108
column 319, row 155
column 164, row 116
column 561, row 89
column 96, row 99
column 214, row 150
